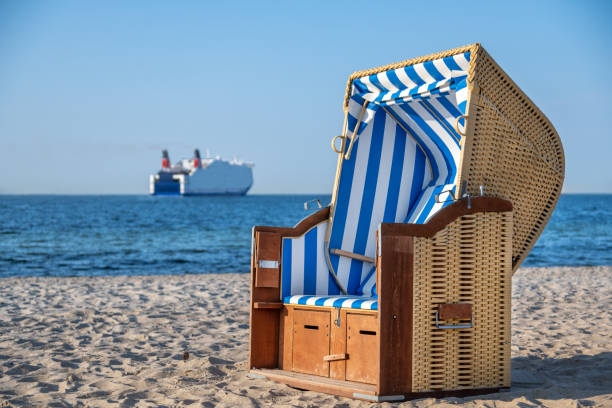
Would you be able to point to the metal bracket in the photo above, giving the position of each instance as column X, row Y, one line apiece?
column 378, row 398
column 307, row 204
column 337, row 321
column 454, row 326
column 265, row 264
column 469, row 197
column 462, row 189
column 445, row 191
column 256, row 376
column 463, row 193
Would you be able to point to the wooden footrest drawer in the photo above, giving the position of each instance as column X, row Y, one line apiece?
column 330, row 342
column 311, row 342
column 362, row 348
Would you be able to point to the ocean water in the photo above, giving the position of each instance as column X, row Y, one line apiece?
column 142, row 235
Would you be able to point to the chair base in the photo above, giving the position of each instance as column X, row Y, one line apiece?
column 442, row 326
column 350, row 389
column 316, row 383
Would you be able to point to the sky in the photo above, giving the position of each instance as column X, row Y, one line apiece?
column 90, row 92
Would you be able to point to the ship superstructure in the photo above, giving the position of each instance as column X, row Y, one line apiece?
column 201, row 176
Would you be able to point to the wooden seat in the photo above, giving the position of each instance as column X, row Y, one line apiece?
column 349, row 302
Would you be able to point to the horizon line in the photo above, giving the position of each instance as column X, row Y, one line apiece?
column 221, row 195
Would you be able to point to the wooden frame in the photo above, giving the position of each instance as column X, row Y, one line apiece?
column 402, row 327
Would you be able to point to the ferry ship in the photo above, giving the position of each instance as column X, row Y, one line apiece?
column 198, row 176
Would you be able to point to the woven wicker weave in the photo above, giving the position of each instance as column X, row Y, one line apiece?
column 469, row 261
column 516, row 153
column 510, row 148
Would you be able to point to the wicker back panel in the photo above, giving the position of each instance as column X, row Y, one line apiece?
column 516, row 153
column 467, row 262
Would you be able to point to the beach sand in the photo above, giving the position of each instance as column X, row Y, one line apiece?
column 120, row 341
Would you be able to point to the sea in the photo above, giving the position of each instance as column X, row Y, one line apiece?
column 51, row 235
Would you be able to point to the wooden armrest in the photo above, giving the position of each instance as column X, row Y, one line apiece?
column 267, row 258
column 301, row 228
column 267, row 247
column 399, row 236
column 267, row 255
column 447, row 215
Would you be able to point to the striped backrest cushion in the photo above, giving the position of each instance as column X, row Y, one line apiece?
column 431, row 121
column 379, row 183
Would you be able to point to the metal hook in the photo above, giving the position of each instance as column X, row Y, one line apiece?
column 337, row 321
column 463, row 189
column 464, row 193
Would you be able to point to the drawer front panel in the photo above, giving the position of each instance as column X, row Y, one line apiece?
column 311, row 342
column 362, row 348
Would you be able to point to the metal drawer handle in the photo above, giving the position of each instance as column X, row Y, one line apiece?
column 454, row 326
column 266, row 264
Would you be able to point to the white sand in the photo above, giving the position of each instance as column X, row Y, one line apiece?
column 119, row 341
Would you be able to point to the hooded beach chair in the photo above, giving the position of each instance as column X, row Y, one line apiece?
column 447, row 174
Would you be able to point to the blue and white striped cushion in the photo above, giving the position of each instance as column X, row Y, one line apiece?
column 432, row 123
column 304, row 268
column 352, row 302
column 379, row 183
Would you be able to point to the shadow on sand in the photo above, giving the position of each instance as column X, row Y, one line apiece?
column 576, row 378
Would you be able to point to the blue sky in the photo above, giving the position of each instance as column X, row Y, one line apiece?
column 90, row 92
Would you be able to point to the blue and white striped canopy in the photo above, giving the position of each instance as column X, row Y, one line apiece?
column 405, row 151
column 418, row 81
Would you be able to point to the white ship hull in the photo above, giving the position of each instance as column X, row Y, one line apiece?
column 213, row 177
